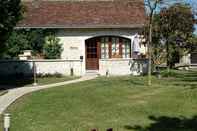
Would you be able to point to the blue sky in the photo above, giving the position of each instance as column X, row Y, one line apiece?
column 196, row 30
column 193, row 4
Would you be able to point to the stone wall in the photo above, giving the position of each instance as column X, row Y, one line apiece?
column 110, row 66
column 73, row 40
column 14, row 67
column 185, row 59
column 123, row 66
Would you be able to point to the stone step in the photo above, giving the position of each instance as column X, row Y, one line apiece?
column 92, row 72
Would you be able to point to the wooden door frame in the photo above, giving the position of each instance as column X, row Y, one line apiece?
column 96, row 40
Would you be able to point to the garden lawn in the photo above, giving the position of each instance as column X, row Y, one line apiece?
column 53, row 79
column 123, row 103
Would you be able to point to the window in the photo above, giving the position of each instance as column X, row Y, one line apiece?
column 91, row 50
column 126, row 49
column 104, row 47
column 115, row 47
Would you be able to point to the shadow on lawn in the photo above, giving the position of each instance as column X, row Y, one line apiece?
column 189, row 77
column 165, row 123
column 16, row 74
column 14, row 81
column 186, row 76
column 182, row 78
column 135, row 81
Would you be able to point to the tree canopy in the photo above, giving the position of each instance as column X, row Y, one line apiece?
column 52, row 48
column 153, row 7
column 24, row 39
column 11, row 13
column 173, row 29
column 42, row 42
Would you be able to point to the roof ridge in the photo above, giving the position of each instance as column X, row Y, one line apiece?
column 80, row 0
column 123, row 1
column 37, row 3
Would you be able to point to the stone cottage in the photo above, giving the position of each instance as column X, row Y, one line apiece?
column 98, row 33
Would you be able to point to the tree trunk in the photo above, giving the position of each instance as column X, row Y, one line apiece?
column 150, row 49
column 168, row 58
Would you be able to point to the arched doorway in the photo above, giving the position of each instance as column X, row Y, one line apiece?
column 92, row 54
column 106, row 47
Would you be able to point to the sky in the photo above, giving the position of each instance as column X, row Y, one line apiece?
column 193, row 4
column 195, row 30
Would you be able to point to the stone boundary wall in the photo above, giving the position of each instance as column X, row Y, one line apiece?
column 64, row 67
column 25, row 67
column 123, row 66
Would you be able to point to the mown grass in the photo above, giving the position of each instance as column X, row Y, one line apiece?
column 54, row 79
column 123, row 103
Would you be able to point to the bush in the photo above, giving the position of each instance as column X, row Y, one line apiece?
column 15, row 45
column 57, row 75
column 171, row 73
column 26, row 39
column 52, row 48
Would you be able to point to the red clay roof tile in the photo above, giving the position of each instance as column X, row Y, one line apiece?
column 84, row 14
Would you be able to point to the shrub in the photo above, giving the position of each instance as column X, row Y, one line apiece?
column 57, row 75
column 52, row 48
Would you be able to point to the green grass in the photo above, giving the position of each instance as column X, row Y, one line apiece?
column 123, row 103
column 53, row 79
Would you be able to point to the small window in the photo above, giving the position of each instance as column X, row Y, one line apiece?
column 115, row 48
column 104, row 47
column 126, row 49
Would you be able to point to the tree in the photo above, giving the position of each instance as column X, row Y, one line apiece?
column 152, row 7
column 158, row 46
column 36, row 38
column 52, row 48
column 25, row 39
column 16, row 43
column 11, row 13
column 176, row 27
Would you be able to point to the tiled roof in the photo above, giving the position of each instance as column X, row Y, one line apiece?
column 84, row 14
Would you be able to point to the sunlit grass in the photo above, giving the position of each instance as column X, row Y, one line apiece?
column 114, row 102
